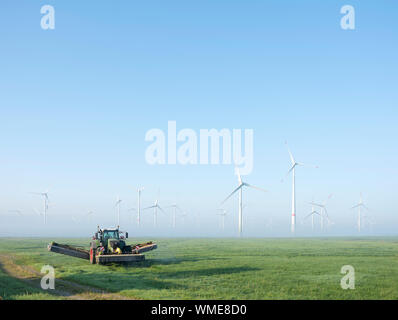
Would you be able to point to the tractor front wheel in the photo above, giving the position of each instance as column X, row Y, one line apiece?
column 92, row 256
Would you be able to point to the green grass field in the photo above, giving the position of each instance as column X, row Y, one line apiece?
column 221, row 269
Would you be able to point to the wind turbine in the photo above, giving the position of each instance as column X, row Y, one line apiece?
column 37, row 212
column 18, row 212
column 132, row 209
column 139, row 190
column 155, row 210
column 89, row 214
column 369, row 221
column 80, row 217
column 196, row 221
column 269, row 224
column 117, row 205
column 183, row 216
column 324, row 213
column 223, row 214
column 241, row 184
column 293, row 170
column 45, row 203
column 359, row 206
column 175, row 207
column 313, row 212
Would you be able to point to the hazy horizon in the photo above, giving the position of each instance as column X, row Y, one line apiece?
column 76, row 103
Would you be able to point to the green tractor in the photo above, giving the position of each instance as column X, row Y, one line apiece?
column 106, row 246
column 110, row 241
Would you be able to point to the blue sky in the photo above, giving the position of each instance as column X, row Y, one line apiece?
column 76, row 102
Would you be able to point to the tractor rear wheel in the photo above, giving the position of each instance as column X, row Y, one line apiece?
column 92, row 256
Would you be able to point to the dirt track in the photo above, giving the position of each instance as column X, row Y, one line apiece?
column 63, row 288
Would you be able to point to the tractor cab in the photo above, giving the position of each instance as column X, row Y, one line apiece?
column 110, row 234
column 111, row 241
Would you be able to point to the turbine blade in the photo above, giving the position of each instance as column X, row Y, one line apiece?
column 317, row 204
column 16, row 211
column 329, row 197
column 231, row 194
column 291, row 169
column 254, row 187
column 290, row 154
column 308, row 215
column 151, row 207
column 307, row 165
column 117, row 203
column 161, row 209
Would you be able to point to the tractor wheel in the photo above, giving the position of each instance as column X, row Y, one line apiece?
column 92, row 256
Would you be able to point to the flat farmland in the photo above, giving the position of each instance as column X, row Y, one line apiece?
column 302, row 268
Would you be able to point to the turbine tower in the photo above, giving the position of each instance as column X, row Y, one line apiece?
column 369, row 221
column 117, row 204
column 324, row 213
column 132, row 209
column 155, row 210
column 223, row 214
column 359, row 206
column 183, row 216
column 175, row 207
column 139, row 190
column 241, row 184
column 45, row 203
column 313, row 212
column 293, row 170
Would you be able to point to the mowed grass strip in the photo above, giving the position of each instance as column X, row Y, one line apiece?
column 232, row 268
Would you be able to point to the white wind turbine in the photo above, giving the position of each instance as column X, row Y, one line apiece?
column 155, row 208
column 359, row 206
column 175, row 207
column 241, row 184
column 293, row 170
column 117, row 205
column 75, row 220
column 183, row 216
column 324, row 213
column 369, row 221
column 313, row 212
column 196, row 220
column 18, row 212
column 269, row 224
column 90, row 214
column 80, row 218
column 45, row 203
column 223, row 214
column 139, row 190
